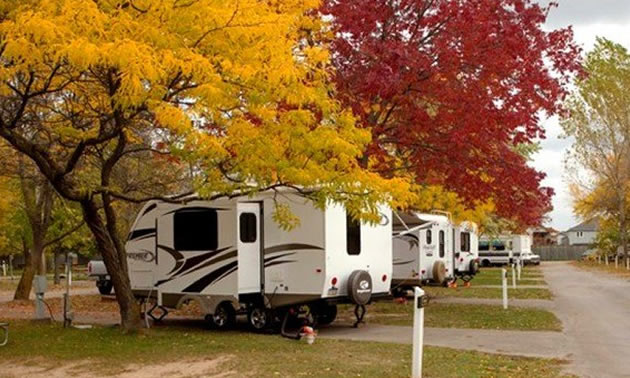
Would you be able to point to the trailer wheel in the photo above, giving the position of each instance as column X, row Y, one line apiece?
column 439, row 272
column 485, row 263
column 104, row 287
column 474, row 267
column 224, row 316
column 259, row 318
column 326, row 314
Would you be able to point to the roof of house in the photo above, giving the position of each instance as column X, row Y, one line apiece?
column 589, row 225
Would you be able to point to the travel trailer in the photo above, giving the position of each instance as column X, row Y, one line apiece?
column 231, row 257
column 466, row 241
column 429, row 248
column 499, row 250
column 422, row 250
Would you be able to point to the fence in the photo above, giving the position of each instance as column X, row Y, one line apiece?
column 560, row 252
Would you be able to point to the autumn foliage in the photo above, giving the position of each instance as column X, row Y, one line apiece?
column 450, row 89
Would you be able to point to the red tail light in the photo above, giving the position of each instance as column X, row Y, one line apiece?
column 384, row 277
column 333, row 281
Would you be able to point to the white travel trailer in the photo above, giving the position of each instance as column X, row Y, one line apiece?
column 422, row 250
column 231, row 257
column 499, row 250
column 466, row 240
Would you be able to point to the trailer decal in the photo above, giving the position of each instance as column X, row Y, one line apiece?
column 207, row 280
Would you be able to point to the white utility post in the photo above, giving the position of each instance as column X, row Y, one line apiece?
column 519, row 268
column 4, row 268
column 627, row 263
column 505, row 288
column 606, row 258
column 513, row 277
column 418, row 333
column 599, row 259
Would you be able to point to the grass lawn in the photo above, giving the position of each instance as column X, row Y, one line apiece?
column 608, row 269
column 447, row 315
column 485, row 292
column 107, row 351
column 492, row 276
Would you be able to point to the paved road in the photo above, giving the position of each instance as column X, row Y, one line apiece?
column 530, row 344
column 595, row 311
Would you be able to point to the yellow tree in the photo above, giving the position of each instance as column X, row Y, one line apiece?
column 598, row 120
column 236, row 90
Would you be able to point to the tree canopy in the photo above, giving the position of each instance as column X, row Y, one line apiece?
column 453, row 90
column 598, row 121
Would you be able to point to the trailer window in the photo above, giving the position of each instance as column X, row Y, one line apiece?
column 484, row 246
column 247, row 227
column 498, row 245
column 353, row 236
column 442, row 244
column 429, row 237
column 195, row 230
column 465, row 241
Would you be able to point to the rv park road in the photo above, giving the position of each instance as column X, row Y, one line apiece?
column 595, row 312
column 594, row 309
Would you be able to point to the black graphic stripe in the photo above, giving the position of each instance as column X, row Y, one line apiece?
column 227, row 273
column 195, row 208
column 198, row 259
column 403, row 262
column 144, row 232
column 267, row 265
column 205, row 281
column 226, row 256
column 149, row 209
column 289, row 247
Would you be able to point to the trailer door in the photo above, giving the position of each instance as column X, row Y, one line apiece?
column 249, row 243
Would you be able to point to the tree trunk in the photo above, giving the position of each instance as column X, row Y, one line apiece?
column 56, row 278
column 26, row 280
column 116, row 267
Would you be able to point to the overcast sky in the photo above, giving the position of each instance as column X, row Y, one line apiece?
column 590, row 18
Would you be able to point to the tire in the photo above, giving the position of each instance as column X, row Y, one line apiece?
column 259, row 318
column 473, row 268
column 399, row 292
column 224, row 316
column 485, row 263
column 360, row 287
column 326, row 314
column 439, row 272
column 104, row 287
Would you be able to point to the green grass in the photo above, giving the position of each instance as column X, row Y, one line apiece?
column 487, row 292
column 109, row 351
column 492, row 276
column 445, row 315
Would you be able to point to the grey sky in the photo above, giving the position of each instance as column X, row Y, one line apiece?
column 587, row 12
column 590, row 18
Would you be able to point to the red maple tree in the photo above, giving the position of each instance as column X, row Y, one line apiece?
column 451, row 87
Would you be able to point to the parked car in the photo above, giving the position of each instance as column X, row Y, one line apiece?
column 97, row 270
column 529, row 258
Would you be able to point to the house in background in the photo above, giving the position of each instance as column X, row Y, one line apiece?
column 543, row 236
column 582, row 234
